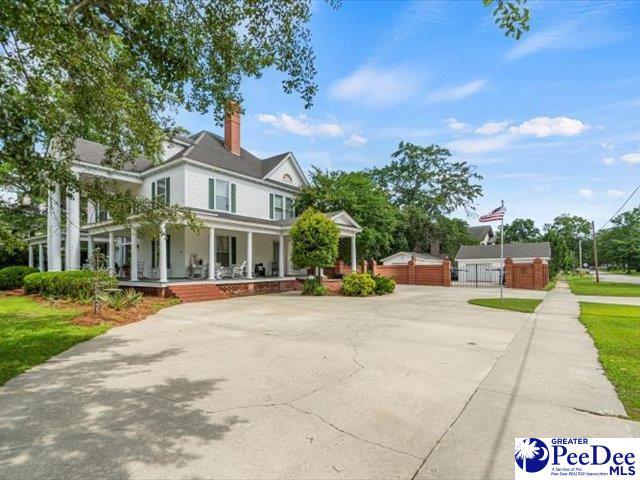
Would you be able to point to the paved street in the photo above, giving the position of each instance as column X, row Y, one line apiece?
column 415, row 384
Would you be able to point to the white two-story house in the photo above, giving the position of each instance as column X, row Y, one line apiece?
column 245, row 203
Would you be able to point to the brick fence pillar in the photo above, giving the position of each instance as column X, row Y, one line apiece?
column 411, row 272
column 338, row 268
column 446, row 272
column 508, row 273
column 363, row 266
column 374, row 267
column 538, row 278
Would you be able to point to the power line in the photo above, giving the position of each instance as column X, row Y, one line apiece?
column 621, row 207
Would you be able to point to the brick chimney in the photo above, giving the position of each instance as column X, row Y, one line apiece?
column 232, row 128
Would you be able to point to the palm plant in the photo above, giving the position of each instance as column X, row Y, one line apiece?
column 526, row 450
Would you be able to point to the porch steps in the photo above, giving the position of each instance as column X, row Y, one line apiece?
column 196, row 293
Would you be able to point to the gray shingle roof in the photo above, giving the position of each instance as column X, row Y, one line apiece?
column 479, row 232
column 511, row 250
column 206, row 147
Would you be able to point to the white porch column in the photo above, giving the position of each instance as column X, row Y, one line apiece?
column 212, row 253
column 281, row 256
column 72, row 241
column 91, row 212
column 249, row 254
column 354, row 263
column 134, row 254
column 162, row 241
column 54, row 235
column 41, row 257
column 89, row 248
column 30, row 255
column 111, row 248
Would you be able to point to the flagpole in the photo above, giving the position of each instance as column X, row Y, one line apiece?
column 501, row 251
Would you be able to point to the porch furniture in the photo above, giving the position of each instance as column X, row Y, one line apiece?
column 259, row 270
column 222, row 272
column 141, row 269
column 196, row 271
column 154, row 273
column 275, row 269
column 238, row 271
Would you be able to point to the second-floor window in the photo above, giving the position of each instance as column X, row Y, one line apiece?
column 161, row 190
column 280, row 207
column 222, row 195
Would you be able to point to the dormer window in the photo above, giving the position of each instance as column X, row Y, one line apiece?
column 287, row 178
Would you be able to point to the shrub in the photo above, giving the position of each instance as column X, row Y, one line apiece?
column 314, row 286
column 120, row 300
column 383, row 285
column 12, row 277
column 70, row 284
column 358, row 285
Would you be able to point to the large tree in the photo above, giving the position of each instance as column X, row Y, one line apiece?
column 519, row 230
column 620, row 244
column 571, row 229
column 426, row 184
column 364, row 200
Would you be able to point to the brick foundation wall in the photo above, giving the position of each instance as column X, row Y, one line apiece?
column 528, row 276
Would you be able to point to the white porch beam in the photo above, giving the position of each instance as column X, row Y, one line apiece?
column 354, row 263
column 41, row 257
column 281, row 256
column 212, row 253
column 54, row 235
column 249, row 254
column 111, row 249
column 134, row 254
column 162, row 241
column 31, row 255
column 72, row 240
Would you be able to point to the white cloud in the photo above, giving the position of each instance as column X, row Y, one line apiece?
column 301, row 125
column 607, row 160
column 458, row 92
column 377, row 87
column 454, row 124
column 542, row 127
column 607, row 145
column 631, row 157
column 491, row 128
column 615, row 193
column 586, row 192
column 356, row 140
column 479, row 145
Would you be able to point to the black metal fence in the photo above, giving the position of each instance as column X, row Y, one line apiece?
column 476, row 275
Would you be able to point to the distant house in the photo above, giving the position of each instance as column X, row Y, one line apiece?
column 483, row 234
column 402, row 258
column 480, row 262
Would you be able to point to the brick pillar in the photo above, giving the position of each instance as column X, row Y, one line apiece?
column 411, row 274
column 538, row 278
column 374, row 267
column 508, row 273
column 363, row 266
column 338, row 268
column 446, row 272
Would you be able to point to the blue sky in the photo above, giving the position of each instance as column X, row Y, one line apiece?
column 552, row 121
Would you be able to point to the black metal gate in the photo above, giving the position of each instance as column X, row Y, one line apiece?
column 476, row 275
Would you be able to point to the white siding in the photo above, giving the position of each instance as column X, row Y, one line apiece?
column 252, row 199
column 177, row 253
column 177, row 176
column 286, row 168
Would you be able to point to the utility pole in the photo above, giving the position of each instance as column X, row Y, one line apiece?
column 595, row 250
column 580, row 254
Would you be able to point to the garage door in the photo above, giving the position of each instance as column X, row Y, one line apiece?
column 476, row 275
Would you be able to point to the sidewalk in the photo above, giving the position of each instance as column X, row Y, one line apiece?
column 548, row 383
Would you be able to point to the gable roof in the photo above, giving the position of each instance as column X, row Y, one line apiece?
column 511, row 250
column 479, row 232
column 425, row 256
column 330, row 215
column 204, row 147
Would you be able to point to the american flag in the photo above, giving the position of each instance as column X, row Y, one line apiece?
column 493, row 215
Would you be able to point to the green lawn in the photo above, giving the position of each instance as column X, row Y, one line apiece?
column 30, row 333
column 616, row 332
column 551, row 285
column 588, row 286
column 526, row 305
column 633, row 273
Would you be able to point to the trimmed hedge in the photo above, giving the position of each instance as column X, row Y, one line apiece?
column 383, row 285
column 69, row 284
column 358, row 285
column 12, row 277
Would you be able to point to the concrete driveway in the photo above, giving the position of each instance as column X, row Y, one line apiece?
column 281, row 386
